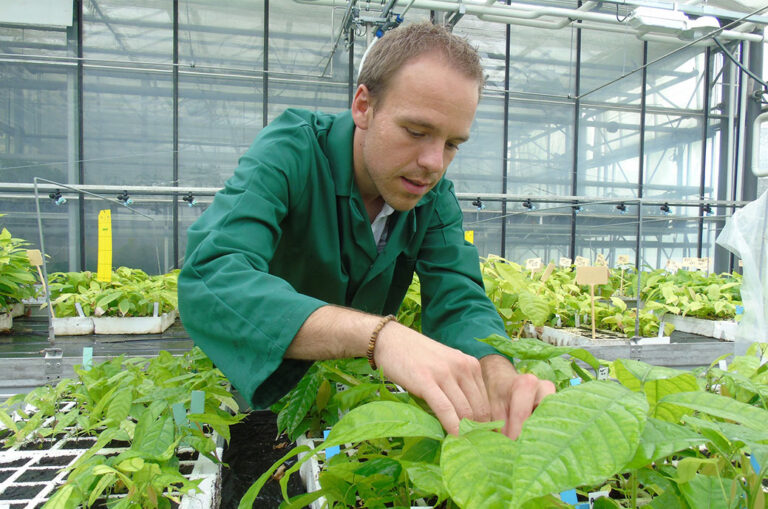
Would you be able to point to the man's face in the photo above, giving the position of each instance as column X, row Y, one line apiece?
column 404, row 143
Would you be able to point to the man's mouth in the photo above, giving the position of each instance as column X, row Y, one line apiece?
column 415, row 186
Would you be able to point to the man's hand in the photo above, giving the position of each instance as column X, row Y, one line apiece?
column 513, row 396
column 450, row 381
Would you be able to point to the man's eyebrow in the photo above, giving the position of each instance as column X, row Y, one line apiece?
column 431, row 127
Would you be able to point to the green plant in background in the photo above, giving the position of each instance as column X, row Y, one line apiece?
column 130, row 293
column 17, row 276
column 693, row 293
column 409, row 313
column 656, row 437
column 127, row 401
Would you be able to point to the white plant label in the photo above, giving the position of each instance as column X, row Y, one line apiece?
column 622, row 260
column 722, row 364
column 565, row 261
column 602, row 373
column 595, row 495
column 672, row 265
column 600, row 260
column 79, row 309
column 582, row 262
column 156, row 309
column 533, row 264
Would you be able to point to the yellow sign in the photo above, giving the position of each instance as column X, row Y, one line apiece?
column 469, row 236
column 104, row 272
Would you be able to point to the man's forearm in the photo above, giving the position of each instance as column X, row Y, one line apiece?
column 333, row 332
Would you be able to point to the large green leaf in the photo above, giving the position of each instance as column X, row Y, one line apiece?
column 478, row 468
column 299, row 403
column 634, row 374
column 706, row 492
column 534, row 307
column 660, row 439
column 525, row 348
column 120, row 406
column 581, row 435
column 152, row 437
column 426, row 478
column 381, row 419
column 721, row 406
column 655, row 390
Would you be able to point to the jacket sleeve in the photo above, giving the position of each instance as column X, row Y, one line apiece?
column 241, row 316
column 455, row 308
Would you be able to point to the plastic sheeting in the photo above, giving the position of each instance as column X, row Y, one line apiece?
column 746, row 235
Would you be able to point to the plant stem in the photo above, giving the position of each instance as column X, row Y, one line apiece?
column 633, row 488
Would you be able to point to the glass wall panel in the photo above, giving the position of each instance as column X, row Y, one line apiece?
column 218, row 119
column 540, row 148
column 301, row 38
column 609, row 151
column 605, row 58
column 673, row 156
column 542, row 232
column 484, row 224
column 537, row 68
column 328, row 98
column 477, row 166
column 128, row 128
column 602, row 229
column 128, row 30
column 221, row 35
column 138, row 241
column 490, row 41
column 675, row 76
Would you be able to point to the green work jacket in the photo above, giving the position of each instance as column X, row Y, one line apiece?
column 289, row 233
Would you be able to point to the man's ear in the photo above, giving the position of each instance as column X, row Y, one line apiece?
column 362, row 109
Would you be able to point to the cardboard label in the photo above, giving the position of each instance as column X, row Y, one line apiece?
column 741, row 263
column 704, row 264
column 565, row 261
column 548, row 272
column 600, row 260
column 533, row 264
column 688, row 262
column 592, row 275
column 622, row 260
column 582, row 262
column 672, row 265
column 469, row 236
column 35, row 257
column 104, row 272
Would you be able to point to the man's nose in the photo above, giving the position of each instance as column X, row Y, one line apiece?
column 432, row 157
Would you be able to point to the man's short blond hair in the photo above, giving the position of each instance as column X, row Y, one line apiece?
column 404, row 43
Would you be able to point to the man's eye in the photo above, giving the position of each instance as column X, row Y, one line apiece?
column 452, row 146
column 415, row 134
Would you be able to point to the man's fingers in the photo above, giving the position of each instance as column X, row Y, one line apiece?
column 524, row 399
column 444, row 409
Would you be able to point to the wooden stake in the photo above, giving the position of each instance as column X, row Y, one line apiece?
column 592, row 296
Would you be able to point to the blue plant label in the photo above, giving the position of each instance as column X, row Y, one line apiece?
column 755, row 464
column 179, row 414
column 569, row 497
column 330, row 452
column 79, row 309
column 87, row 357
column 739, row 309
column 575, row 381
column 197, row 405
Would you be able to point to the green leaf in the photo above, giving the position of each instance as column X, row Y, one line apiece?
column 660, row 439
column 581, row 435
column 250, row 496
column 426, row 478
column 300, row 402
column 534, row 307
column 706, row 492
column 63, row 498
column 617, row 302
column 634, row 374
column 120, row 406
column 104, row 483
column 466, row 425
column 721, row 406
column 6, row 420
column 382, row 419
column 153, row 437
column 477, row 468
column 655, row 390
column 525, row 348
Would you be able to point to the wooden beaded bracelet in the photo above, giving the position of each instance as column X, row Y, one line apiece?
column 374, row 336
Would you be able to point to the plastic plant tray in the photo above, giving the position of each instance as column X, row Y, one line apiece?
column 77, row 326
column 719, row 329
column 30, row 472
column 581, row 337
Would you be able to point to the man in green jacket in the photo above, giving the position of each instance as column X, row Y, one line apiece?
column 319, row 231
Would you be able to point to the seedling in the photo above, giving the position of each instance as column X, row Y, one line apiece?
column 592, row 276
